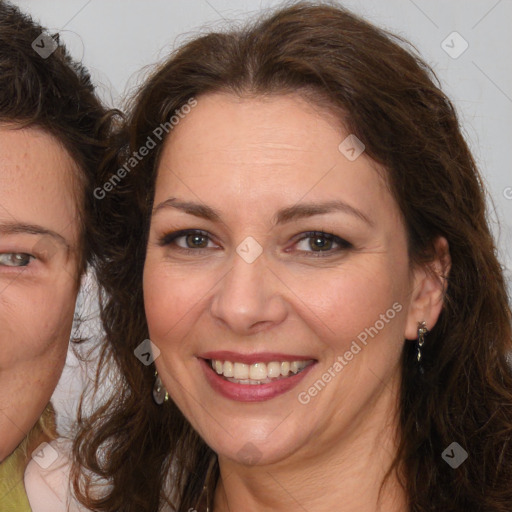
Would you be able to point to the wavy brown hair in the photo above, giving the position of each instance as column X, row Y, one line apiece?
column 391, row 100
column 56, row 95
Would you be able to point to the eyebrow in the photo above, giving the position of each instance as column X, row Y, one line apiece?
column 288, row 214
column 15, row 228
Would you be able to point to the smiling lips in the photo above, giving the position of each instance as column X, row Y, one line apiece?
column 257, row 373
column 254, row 377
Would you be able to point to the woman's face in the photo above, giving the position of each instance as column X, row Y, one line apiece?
column 38, row 275
column 296, row 258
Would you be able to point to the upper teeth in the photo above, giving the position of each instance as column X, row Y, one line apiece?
column 257, row 371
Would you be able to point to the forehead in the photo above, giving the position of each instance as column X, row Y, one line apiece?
column 37, row 179
column 276, row 124
column 280, row 146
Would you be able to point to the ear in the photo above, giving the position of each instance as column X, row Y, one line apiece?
column 429, row 285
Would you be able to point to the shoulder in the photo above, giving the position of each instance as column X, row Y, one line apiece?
column 47, row 478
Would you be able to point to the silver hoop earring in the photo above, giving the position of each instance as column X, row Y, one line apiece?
column 422, row 330
column 160, row 394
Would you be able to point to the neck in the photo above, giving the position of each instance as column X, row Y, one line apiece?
column 345, row 476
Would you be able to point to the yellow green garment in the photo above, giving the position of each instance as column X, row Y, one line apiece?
column 13, row 497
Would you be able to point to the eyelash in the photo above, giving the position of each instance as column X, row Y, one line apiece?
column 170, row 238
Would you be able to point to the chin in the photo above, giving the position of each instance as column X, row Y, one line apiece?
column 255, row 445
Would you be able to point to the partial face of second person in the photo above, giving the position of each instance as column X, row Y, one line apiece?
column 293, row 252
column 38, row 274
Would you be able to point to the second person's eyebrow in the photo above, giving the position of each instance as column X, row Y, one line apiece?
column 283, row 216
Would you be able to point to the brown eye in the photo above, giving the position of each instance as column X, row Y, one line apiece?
column 187, row 239
column 315, row 243
column 319, row 243
column 195, row 240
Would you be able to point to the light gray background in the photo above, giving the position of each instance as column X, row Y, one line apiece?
column 118, row 39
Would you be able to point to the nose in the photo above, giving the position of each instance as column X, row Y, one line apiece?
column 249, row 298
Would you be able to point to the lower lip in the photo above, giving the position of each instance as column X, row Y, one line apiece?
column 251, row 392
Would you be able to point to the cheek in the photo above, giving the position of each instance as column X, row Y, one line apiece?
column 35, row 322
column 342, row 304
column 171, row 296
column 168, row 298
